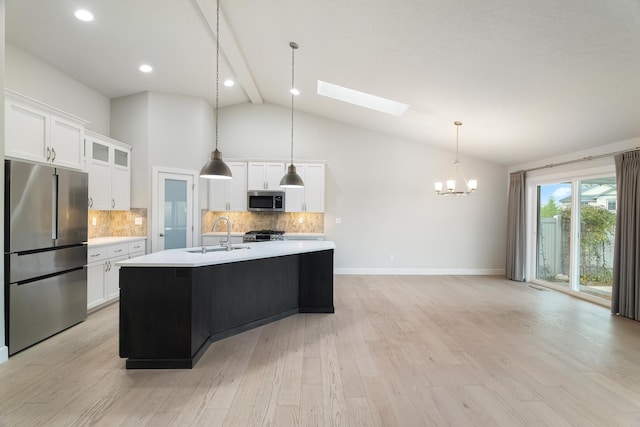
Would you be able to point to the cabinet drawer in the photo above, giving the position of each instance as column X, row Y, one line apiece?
column 137, row 246
column 135, row 254
column 97, row 254
column 118, row 250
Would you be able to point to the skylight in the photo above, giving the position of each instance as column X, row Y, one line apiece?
column 361, row 99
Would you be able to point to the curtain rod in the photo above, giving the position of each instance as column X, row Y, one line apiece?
column 583, row 159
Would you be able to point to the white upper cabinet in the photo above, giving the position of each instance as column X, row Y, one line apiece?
column 264, row 176
column 37, row 132
column 229, row 194
column 311, row 197
column 109, row 168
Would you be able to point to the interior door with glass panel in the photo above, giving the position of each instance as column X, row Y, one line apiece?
column 175, row 210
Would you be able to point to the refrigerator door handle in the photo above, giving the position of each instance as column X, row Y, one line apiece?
column 54, row 207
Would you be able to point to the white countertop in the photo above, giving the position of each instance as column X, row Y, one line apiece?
column 101, row 241
column 183, row 258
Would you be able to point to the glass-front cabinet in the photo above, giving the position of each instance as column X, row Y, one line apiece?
column 109, row 168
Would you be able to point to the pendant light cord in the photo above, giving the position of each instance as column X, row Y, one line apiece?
column 294, row 46
column 458, row 124
column 217, row 65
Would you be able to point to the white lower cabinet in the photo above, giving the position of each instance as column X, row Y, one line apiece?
column 103, row 284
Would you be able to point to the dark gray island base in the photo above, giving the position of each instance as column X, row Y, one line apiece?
column 169, row 315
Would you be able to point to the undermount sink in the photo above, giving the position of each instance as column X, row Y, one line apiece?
column 215, row 249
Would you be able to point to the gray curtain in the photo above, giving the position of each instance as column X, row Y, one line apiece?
column 515, row 228
column 625, row 297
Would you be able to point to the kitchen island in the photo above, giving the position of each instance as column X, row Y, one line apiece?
column 174, row 303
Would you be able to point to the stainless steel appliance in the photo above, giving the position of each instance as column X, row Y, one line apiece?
column 45, row 234
column 262, row 236
column 265, row 201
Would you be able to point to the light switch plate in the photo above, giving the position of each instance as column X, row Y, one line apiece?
column 138, row 221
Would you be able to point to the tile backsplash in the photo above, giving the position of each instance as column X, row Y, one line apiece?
column 290, row 222
column 123, row 223
column 117, row 223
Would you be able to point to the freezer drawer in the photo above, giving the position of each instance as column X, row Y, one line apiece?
column 26, row 266
column 45, row 307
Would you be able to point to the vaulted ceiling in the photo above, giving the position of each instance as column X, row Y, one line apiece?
column 529, row 79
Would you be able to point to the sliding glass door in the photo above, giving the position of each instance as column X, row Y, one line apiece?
column 597, row 229
column 574, row 234
column 554, row 233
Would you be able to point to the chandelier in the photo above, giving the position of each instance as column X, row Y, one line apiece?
column 456, row 172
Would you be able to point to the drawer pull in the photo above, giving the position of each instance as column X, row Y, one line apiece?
column 94, row 255
column 118, row 250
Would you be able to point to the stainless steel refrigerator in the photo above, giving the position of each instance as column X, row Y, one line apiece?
column 45, row 254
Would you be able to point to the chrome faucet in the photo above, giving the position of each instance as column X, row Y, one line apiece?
column 223, row 243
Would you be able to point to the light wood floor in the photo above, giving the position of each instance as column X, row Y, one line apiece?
column 399, row 351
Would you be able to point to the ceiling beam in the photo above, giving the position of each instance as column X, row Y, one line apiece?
column 231, row 49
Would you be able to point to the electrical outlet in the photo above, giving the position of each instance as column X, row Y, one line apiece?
column 94, row 221
column 390, row 257
column 338, row 220
column 300, row 220
column 138, row 221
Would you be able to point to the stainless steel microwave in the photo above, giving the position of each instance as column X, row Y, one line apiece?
column 265, row 201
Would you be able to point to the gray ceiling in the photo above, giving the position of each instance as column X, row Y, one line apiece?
column 529, row 79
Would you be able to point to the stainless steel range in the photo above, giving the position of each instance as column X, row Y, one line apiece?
column 262, row 236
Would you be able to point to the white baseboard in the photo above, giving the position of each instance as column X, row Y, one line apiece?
column 422, row 271
column 4, row 354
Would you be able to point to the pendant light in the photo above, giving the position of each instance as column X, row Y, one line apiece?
column 472, row 184
column 216, row 168
column 291, row 179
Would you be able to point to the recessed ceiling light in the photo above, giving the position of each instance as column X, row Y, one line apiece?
column 362, row 99
column 84, row 15
column 146, row 68
column 295, row 91
column 229, row 83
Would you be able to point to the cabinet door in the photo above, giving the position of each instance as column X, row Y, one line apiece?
column 67, row 143
column 256, row 176
column 314, row 188
column 120, row 180
column 294, row 197
column 96, row 291
column 264, row 176
column 273, row 175
column 99, row 168
column 113, row 277
column 218, row 197
column 311, row 197
column 26, row 132
column 237, row 187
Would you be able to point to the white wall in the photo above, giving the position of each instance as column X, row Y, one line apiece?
column 169, row 131
column 381, row 187
column 4, row 351
column 130, row 124
column 578, row 166
column 30, row 76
